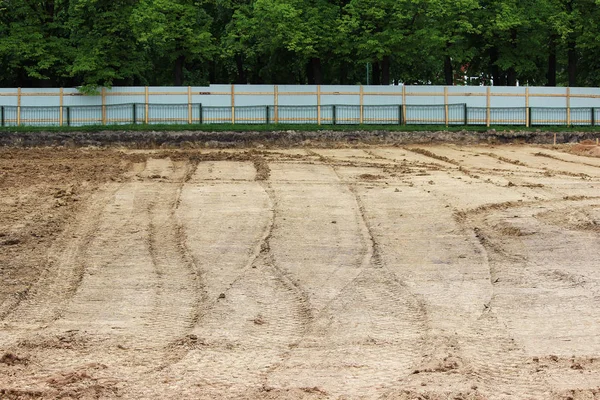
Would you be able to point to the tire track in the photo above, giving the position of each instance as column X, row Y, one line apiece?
column 461, row 168
column 251, row 323
column 138, row 292
column 141, row 296
column 366, row 338
column 495, row 359
column 64, row 271
column 554, row 157
column 486, row 349
column 178, row 288
column 546, row 170
column 499, row 364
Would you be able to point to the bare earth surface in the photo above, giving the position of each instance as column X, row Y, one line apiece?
column 415, row 272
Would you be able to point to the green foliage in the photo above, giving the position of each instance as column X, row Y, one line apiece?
column 93, row 43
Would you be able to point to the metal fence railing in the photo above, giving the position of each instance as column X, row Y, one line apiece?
column 396, row 114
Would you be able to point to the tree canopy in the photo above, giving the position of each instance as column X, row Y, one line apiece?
column 196, row 42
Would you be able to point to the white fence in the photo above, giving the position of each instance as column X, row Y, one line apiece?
column 303, row 104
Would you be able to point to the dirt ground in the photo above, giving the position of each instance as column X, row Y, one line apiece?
column 413, row 272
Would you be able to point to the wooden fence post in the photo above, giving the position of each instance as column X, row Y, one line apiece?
column 527, row 110
column 403, row 104
column 103, row 106
column 60, row 108
column 362, row 105
column 318, row 104
column 189, row 105
column 233, row 104
column 446, row 117
column 19, row 107
column 568, row 106
column 276, row 102
column 488, row 119
column 147, row 107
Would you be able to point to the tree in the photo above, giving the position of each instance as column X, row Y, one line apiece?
column 107, row 52
column 177, row 31
column 34, row 46
column 450, row 23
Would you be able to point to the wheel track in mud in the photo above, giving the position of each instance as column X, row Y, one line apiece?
column 165, row 319
column 554, row 157
column 373, row 255
column 384, row 291
column 511, row 264
column 182, row 346
column 495, row 359
column 317, row 314
column 64, row 273
column 545, row 169
column 461, row 168
column 172, row 315
column 140, row 300
column 174, row 286
column 492, row 363
column 288, row 316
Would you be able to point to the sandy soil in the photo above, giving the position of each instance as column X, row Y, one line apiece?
column 415, row 272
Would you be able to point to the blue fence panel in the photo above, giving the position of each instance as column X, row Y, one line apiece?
column 425, row 114
column 40, row 116
column 456, row 114
column 581, row 116
column 392, row 114
column 508, row 116
column 548, row 116
column 85, row 115
column 251, row 115
column 120, row 114
column 10, row 116
column 347, row 114
column 216, row 115
column 168, row 113
column 302, row 115
column 382, row 115
column 476, row 115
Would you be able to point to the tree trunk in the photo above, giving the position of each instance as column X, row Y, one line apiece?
column 212, row 71
column 494, row 67
column 551, row 76
column 255, row 72
column 511, row 74
column 501, row 79
column 317, row 71
column 178, row 78
column 310, row 73
column 448, row 73
column 376, row 74
column 385, row 70
column 343, row 73
column 572, row 63
column 241, row 74
column 511, row 77
column 571, row 52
